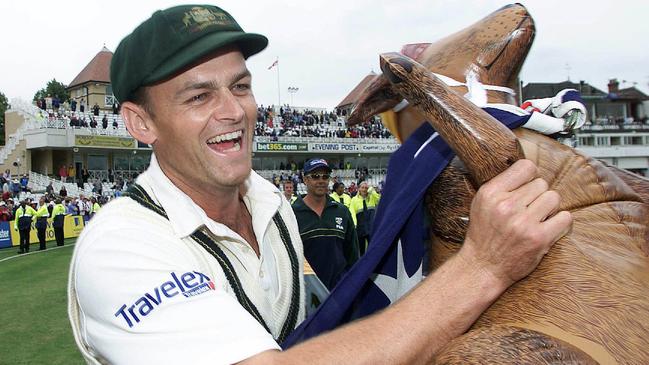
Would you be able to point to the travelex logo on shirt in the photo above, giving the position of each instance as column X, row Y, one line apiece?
column 188, row 284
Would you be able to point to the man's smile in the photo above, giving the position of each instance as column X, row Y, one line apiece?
column 226, row 142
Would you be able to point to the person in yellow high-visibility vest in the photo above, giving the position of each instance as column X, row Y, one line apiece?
column 338, row 194
column 94, row 206
column 41, row 221
column 58, row 212
column 23, row 224
column 363, row 206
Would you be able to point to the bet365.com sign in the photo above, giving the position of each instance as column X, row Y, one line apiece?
column 282, row 147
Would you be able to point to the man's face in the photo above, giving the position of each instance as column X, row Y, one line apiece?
column 316, row 183
column 340, row 190
column 288, row 189
column 203, row 122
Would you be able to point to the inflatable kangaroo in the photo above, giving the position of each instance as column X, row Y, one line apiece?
column 588, row 300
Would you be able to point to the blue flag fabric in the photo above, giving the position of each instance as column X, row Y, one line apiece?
column 392, row 264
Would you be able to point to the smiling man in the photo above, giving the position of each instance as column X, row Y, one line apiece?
column 203, row 255
column 202, row 262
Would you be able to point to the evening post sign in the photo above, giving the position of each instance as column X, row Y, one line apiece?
column 326, row 147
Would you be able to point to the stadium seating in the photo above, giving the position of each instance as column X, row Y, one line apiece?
column 293, row 126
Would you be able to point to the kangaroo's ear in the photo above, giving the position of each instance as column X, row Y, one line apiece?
column 139, row 122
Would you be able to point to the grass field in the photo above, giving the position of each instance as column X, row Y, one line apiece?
column 34, row 327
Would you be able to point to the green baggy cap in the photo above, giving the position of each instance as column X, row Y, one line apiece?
column 173, row 39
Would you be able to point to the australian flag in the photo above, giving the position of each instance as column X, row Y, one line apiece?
column 394, row 260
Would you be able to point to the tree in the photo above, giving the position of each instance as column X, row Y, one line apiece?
column 53, row 88
column 4, row 104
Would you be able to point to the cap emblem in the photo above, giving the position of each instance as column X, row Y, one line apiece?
column 197, row 18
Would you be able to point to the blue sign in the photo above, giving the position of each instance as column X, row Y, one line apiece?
column 5, row 234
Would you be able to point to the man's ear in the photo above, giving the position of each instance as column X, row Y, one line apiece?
column 138, row 122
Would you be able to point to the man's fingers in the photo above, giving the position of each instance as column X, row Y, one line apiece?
column 530, row 191
column 521, row 172
column 544, row 205
column 558, row 225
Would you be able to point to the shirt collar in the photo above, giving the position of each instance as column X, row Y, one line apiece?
column 299, row 203
column 261, row 197
column 263, row 200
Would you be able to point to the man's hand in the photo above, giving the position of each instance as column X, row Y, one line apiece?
column 512, row 225
column 508, row 235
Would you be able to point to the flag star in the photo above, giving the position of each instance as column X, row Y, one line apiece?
column 395, row 288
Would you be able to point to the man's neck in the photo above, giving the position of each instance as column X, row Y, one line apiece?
column 316, row 203
column 224, row 206
column 220, row 205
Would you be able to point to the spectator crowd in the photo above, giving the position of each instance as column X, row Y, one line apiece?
column 291, row 122
column 288, row 122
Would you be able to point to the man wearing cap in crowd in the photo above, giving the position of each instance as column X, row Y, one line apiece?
column 326, row 226
column 42, row 213
column 202, row 263
column 23, row 224
column 58, row 222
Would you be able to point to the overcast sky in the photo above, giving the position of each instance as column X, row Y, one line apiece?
column 326, row 47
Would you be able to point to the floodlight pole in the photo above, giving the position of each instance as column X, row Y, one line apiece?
column 279, row 100
column 292, row 90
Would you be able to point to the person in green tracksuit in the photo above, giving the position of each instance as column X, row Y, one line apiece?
column 23, row 224
column 326, row 226
column 58, row 212
column 41, row 221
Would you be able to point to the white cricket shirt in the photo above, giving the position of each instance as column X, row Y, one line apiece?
column 141, row 291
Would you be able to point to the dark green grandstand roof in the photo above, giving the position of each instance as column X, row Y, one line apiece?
column 539, row 90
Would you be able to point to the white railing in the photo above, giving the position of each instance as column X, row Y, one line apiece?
column 39, row 182
column 364, row 140
column 29, row 113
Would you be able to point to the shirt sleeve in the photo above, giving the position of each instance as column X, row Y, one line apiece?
column 376, row 197
column 352, row 210
column 144, row 300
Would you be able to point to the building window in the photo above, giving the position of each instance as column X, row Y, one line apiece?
column 635, row 140
column 603, row 141
column 97, row 162
column 610, row 111
column 109, row 98
column 587, row 141
column 120, row 162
